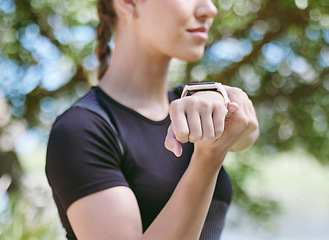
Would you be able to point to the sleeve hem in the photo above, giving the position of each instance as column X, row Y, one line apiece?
column 85, row 191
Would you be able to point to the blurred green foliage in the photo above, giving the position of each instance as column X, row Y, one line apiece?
column 275, row 50
column 28, row 217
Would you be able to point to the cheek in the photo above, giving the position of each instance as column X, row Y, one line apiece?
column 168, row 17
column 166, row 28
column 175, row 12
column 163, row 26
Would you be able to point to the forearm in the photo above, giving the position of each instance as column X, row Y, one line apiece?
column 185, row 213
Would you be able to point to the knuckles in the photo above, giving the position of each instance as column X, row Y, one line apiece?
column 203, row 106
column 241, row 121
column 182, row 136
column 218, row 132
column 195, row 137
column 246, row 123
column 237, row 94
column 198, row 104
column 254, row 125
column 174, row 106
column 195, row 103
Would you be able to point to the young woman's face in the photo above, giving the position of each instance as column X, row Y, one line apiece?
column 175, row 28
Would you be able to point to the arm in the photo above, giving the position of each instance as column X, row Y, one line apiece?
column 114, row 213
column 108, row 214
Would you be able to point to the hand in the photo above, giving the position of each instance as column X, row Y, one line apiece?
column 244, row 121
column 203, row 117
column 241, row 126
column 199, row 117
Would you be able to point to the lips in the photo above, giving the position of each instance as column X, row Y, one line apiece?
column 200, row 32
column 200, row 29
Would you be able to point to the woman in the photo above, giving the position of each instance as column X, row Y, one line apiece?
column 148, row 192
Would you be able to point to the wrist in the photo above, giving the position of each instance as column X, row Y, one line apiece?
column 193, row 88
column 208, row 159
column 209, row 94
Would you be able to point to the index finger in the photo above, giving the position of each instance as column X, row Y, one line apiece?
column 179, row 122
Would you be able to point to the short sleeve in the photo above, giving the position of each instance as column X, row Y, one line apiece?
column 82, row 156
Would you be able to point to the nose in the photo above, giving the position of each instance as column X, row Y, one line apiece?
column 206, row 9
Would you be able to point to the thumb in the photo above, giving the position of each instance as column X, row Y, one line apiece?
column 232, row 107
column 172, row 144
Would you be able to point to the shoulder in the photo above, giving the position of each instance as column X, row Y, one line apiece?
column 82, row 156
column 77, row 120
column 79, row 130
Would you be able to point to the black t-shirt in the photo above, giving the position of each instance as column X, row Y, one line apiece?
column 83, row 157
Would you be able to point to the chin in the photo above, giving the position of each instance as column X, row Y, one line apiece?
column 192, row 56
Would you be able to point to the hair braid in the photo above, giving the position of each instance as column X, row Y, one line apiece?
column 107, row 19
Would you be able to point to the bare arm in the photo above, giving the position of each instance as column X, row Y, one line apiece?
column 109, row 214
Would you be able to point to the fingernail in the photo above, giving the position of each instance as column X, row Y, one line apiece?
column 232, row 108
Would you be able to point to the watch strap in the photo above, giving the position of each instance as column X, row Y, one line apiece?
column 192, row 88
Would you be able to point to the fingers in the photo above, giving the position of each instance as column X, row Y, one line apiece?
column 208, row 127
column 179, row 124
column 198, row 118
column 219, row 116
column 250, row 112
column 172, row 144
column 195, row 126
column 203, row 119
column 232, row 108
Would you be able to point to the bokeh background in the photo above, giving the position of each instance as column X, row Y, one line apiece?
column 275, row 50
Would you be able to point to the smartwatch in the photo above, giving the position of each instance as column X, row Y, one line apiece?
column 191, row 88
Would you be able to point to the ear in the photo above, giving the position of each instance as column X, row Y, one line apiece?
column 127, row 7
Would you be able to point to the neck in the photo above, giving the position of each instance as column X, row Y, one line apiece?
column 138, row 80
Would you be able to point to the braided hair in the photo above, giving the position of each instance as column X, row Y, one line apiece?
column 107, row 18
